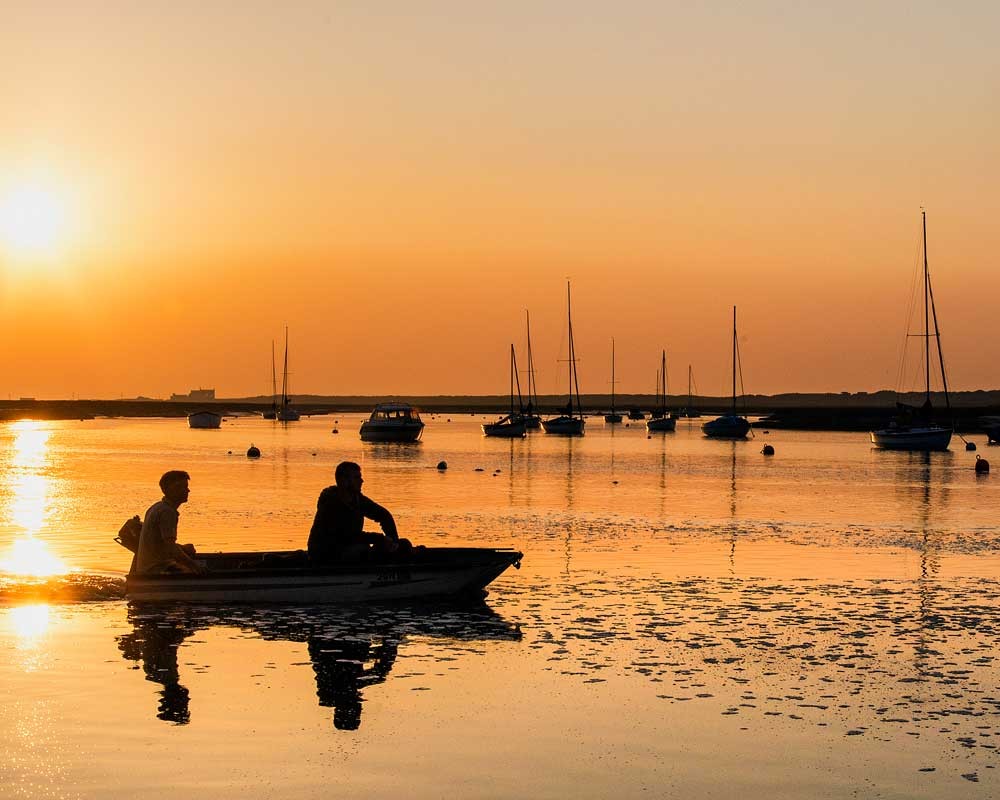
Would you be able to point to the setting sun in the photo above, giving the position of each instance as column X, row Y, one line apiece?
column 34, row 219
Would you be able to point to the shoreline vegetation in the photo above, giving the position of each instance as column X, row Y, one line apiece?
column 845, row 411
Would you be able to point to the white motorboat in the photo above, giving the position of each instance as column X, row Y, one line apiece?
column 392, row 422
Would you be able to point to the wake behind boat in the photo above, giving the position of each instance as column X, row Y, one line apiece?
column 288, row 577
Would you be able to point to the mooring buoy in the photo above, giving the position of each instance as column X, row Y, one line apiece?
column 253, row 451
column 970, row 446
column 442, row 465
column 767, row 450
column 982, row 466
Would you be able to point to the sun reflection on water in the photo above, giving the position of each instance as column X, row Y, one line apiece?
column 29, row 485
column 29, row 622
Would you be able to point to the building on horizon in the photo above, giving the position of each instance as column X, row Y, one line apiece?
column 195, row 394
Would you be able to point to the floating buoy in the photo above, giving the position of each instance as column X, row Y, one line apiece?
column 970, row 446
column 628, row 425
column 766, row 432
column 449, row 419
column 253, row 452
column 479, row 469
column 335, row 430
column 496, row 471
column 229, row 453
column 614, row 482
column 649, row 436
column 982, row 465
column 314, row 455
column 767, row 450
column 442, row 465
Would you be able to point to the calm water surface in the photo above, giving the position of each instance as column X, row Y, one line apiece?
column 692, row 619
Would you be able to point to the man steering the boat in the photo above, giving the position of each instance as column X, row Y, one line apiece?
column 337, row 532
column 158, row 551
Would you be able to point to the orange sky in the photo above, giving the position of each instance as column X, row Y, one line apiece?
column 398, row 186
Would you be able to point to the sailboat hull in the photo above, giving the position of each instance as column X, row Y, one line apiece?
column 727, row 427
column 613, row 419
column 505, row 429
column 532, row 422
column 930, row 437
column 661, row 424
column 564, row 426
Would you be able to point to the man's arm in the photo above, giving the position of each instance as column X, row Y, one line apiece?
column 377, row 513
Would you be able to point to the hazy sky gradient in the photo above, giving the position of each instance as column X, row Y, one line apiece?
column 398, row 183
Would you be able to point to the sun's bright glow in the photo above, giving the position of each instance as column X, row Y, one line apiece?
column 34, row 220
column 31, row 556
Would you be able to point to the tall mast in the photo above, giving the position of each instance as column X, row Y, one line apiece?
column 274, row 381
column 284, row 374
column 572, row 356
column 937, row 331
column 734, row 361
column 532, row 389
column 512, row 380
column 689, row 387
column 927, row 332
column 517, row 382
column 663, row 377
column 612, row 374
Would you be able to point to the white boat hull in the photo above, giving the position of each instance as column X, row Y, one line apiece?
column 564, row 426
column 931, row 437
column 456, row 572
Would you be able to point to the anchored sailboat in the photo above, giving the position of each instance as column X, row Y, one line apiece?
column 285, row 412
column 531, row 419
column 914, row 428
column 659, row 419
column 570, row 423
column 732, row 425
column 613, row 418
column 512, row 425
column 272, row 412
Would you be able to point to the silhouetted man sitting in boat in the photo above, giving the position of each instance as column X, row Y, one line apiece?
column 337, row 531
column 158, row 549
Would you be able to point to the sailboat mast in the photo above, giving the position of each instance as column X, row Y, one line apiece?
column 512, row 380
column 927, row 332
column 274, row 381
column 573, row 381
column 734, row 361
column 517, row 382
column 663, row 377
column 532, row 389
column 612, row 374
column 689, row 387
column 284, row 374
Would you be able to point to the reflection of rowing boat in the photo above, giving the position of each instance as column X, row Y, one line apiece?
column 287, row 577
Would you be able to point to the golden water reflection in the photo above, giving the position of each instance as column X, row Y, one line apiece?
column 30, row 485
column 29, row 623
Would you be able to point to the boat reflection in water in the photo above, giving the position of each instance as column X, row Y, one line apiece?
column 350, row 648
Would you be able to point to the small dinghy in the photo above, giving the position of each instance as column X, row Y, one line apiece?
column 288, row 577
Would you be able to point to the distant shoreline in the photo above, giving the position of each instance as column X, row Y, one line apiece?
column 849, row 412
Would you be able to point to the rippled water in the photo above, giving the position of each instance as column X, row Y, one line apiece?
column 691, row 619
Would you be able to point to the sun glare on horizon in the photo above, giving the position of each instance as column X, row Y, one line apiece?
column 34, row 220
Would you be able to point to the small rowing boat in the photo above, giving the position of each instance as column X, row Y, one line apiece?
column 288, row 577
